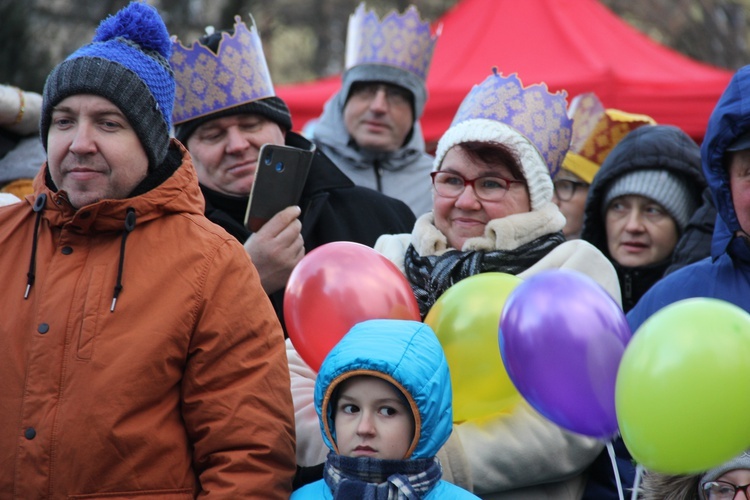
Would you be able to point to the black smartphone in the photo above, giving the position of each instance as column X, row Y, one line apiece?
column 279, row 180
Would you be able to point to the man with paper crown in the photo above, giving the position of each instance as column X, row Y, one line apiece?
column 512, row 137
column 225, row 110
column 139, row 356
column 370, row 127
column 595, row 132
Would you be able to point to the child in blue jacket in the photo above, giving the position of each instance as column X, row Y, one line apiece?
column 383, row 397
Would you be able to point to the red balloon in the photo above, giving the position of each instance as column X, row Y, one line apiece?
column 336, row 286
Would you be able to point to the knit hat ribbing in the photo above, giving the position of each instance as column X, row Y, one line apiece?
column 534, row 168
column 391, row 75
column 665, row 188
column 127, row 63
column 273, row 108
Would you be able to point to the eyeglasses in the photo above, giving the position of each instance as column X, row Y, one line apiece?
column 395, row 96
column 486, row 187
column 721, row 490
column 565, row 189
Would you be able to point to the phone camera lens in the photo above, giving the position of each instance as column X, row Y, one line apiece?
column 279, row 166
column 267, row 160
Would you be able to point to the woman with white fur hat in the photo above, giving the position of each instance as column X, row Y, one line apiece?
column 493, row 212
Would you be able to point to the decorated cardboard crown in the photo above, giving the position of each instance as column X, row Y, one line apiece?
column 596, row 131
column 403, row 41
column 208, row 82
column 534, row 112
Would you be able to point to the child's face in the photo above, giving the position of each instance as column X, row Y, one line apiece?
column 371, row 419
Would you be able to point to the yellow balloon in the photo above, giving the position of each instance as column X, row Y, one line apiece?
column 683, row 386
column 466, row 320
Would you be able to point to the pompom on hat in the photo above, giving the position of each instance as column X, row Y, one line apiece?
column 531, row 120
column 127, row 63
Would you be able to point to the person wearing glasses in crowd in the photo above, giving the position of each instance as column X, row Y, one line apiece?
column 493, row 212
column 724, row 482
column 640, row 202
column 596, row 131
column 638, row 206
column 370, row 128
column 725, row 155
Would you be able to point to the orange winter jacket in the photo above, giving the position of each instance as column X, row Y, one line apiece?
column 180, row 390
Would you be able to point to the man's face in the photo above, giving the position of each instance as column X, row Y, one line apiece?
column 378, row 116
column 739, row 184
column 93, row 152
column 225, row 151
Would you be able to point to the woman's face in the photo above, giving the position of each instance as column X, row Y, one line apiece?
column 723, row 487
column 639, row 231
column 570, row 195
column 465, row 216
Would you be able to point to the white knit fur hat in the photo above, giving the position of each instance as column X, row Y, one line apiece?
column 530, row 120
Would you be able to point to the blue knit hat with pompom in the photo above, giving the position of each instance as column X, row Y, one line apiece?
column 127, row 63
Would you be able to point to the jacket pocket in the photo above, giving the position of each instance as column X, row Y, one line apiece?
column 179, row 494
column 93, row 308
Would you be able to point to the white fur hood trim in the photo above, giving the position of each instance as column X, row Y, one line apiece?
column 506, row 233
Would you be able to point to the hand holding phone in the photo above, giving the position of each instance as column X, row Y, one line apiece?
column 279, row 180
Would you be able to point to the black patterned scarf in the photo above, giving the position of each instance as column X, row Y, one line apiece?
column 432, row 275
column 374, row 479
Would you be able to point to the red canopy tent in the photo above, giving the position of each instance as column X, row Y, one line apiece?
column 575, row 45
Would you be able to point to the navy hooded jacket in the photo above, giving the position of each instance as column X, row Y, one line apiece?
column 725, row 274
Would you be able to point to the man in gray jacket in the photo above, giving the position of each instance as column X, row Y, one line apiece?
column 370, row 128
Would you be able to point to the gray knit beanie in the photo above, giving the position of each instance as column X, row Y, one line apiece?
column 387, row 74
column 740, row 462
column 665, row 188
column 273, row 108
column 127, row 63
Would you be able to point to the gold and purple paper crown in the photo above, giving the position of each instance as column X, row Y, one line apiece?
column 208, row 82
column 403, row 41
column 534, row 112
column 596, row 131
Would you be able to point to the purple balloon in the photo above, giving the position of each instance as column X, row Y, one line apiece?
column 561, row 339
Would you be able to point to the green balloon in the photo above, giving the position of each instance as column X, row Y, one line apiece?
column 682, row 394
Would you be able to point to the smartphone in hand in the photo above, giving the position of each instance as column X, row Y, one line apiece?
column 279, row 180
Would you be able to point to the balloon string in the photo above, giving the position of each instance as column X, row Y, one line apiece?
column 637, row 482
column 611, row 451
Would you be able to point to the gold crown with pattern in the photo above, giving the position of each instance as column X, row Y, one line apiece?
column 403, row 41
column 208, row 82
column 596, row 131
column 534, row 111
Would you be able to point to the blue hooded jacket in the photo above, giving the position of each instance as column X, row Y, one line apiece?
column 725, row 274
column 408, row 355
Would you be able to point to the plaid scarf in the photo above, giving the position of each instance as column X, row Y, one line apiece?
column 430, row 276
column 374, row 479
